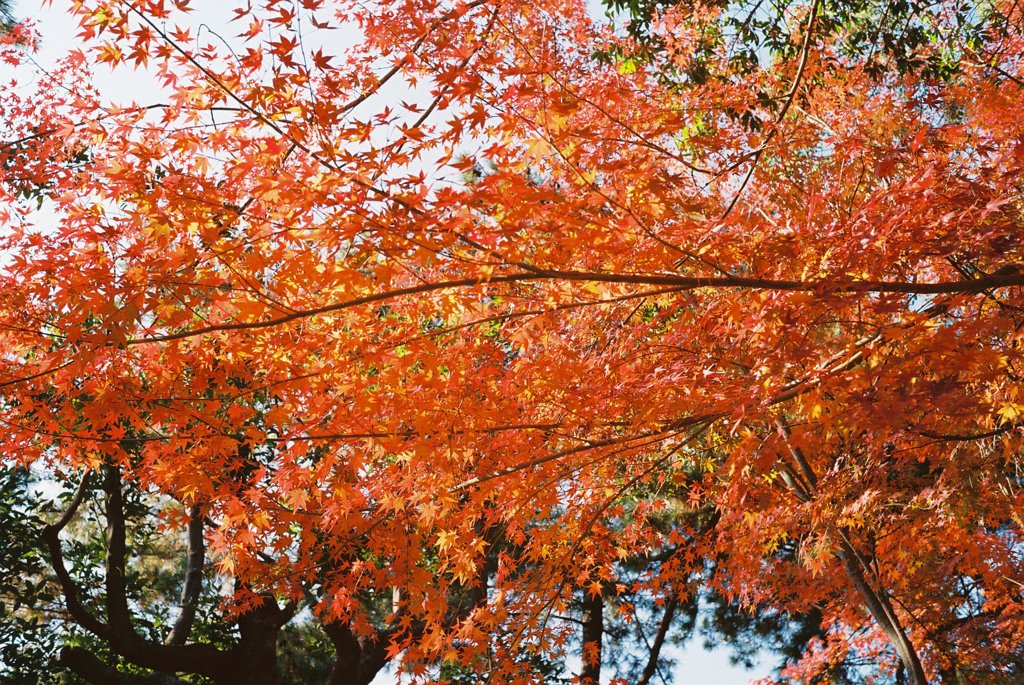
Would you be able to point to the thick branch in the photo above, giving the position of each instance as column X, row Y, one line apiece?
column 877, row 601
column 659, row 641
column 118, row 616
column 193, row 580
column 76, row 502
column 955, row 437
column 793, row 482
column 882, row 611
column 686, row 282
column 88, row 667
column 255, row 655
column 357, row 659
column 798, row 455
column 72, row 598
column 200, row 659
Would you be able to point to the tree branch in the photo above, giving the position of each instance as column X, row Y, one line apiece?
column 947, row 437
column 358, row 659
column 856, row 566
column 882, row 611
column 87, row 666
column 659, row 640
column 200, row 659
column 190, row 592
column 972, row 286
column 798, row 455
column 118, row 616
column 72, row 598
column 805, row 51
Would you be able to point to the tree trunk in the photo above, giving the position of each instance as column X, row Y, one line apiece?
column 357, row 660
column 255, row 656
column 593, row 631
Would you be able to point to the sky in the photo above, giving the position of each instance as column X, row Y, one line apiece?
column 694, row 665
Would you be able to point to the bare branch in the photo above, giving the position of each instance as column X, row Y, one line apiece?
column 659, row 641
column 196, row 553
column 952, row 437
column 76, row 501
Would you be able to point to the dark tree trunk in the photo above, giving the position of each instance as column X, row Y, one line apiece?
column 593, row 632
column 255, row 657
column 357, row 659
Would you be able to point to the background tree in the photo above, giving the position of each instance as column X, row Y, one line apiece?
column 175, row 598
column 28, row 638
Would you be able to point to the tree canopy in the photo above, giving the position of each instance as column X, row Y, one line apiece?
column 487, row 331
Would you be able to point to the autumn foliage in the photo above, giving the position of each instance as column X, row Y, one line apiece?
column 473, row 305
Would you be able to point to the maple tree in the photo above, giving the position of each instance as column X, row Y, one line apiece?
column 499, row 302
